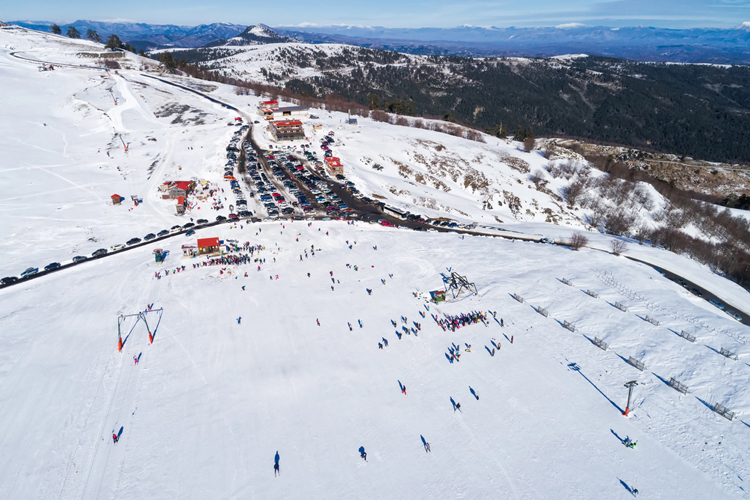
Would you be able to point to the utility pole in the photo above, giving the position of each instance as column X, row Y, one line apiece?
column 629, row 385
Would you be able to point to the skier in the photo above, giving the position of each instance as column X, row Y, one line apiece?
column 363, row 455
column 369, row 292
column 115, row 438
column 350, row 326
column 276, row 470
column 380, row 346
column 403, row 390
column 135, row 360
column 385, row 341
column 239, row 320
column 427, row 446
column 243, row 288
column 360, row 323
column 511, row 339
column 458, row 406
column 635, row 492
column 317, row 321
column 493, row 351
column 501, row 322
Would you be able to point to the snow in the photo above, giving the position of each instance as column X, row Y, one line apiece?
column 212, row 402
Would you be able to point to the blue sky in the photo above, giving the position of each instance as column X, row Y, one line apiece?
column 393, row 13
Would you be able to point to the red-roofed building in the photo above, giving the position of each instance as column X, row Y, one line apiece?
column 268, row 104
column 180, row 207
column 290, row 130
column 335, row 166
column 117, row 199
column 175, row 189
column 208, row 246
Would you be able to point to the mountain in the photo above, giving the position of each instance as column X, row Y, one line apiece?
column 709, row 45
column 254, row 35
column 149, row 35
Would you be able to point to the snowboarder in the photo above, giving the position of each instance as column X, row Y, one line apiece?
column 115, row 438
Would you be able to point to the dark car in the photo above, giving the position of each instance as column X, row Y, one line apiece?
column 100, row 252
column 163, row 232
column 220, row 218
column 696, row 292
column 79, row 258
column 202, row 221
column 52, row 266
column 149, row 236
column 133, row 241
column 8, row 280
column 188, row 225
column 190, row 233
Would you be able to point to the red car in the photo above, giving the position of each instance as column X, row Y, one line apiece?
column 386, row 223
column 233, row 217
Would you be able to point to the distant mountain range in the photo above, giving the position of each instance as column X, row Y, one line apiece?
column 705, row 45
column 149, row 36
column 699, row 45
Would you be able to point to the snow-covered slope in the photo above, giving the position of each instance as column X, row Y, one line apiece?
column 213, row 402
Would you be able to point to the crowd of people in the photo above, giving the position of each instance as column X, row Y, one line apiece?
column 453, row 323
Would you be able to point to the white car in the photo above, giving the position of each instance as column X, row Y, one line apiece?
column 734, row 315
column 119, row 246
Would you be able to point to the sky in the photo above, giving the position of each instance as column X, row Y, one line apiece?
column 394, row 13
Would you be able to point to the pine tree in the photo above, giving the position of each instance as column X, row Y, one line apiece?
column 503, row 131
column 113, row 42
column 520, row 134
column 73, row 33
column 55, row 29
column 93, row 36
column 167, row 60
column 373, row 101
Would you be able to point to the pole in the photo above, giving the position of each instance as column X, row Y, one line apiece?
column 629, row 385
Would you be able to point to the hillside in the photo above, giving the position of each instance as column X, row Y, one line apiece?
column 695, row 110
column 216, row 400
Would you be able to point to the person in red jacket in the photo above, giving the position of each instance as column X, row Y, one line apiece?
column 115, row 438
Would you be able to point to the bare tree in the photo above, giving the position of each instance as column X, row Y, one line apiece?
column 578, row 240
column 528, row 144
column 618, row 247
column 571, row 192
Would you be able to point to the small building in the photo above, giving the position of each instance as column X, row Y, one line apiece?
column 171, row 190
column 287, row 131
column 267, row 104
column 117, row 199
column 352, row 121
column 335, row 166
column 317, row 127
column 438, row 295
column 189, row 250
column 207, row 246
column 180, row 207
column 285, row 112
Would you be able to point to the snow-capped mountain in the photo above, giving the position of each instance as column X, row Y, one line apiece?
column 254, row 35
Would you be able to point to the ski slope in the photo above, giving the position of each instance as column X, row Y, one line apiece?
column 212, row 403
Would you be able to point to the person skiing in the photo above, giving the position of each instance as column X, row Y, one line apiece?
column 385, row 341
column 403, row 390
column 427, row 446
column 501, row 322
column 360, row 323
column 317, row 321
column 380, row 345
column 635, row 492
column 458, row 406
column 363, row 455
column 115, row 438
column 511, row 339
column 350, row 326
column 276, row 470
column 239, row 320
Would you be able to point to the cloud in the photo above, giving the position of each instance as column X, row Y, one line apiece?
column 569, row 25
column 118, row 20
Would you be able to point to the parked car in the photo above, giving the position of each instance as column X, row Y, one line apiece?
column 100, row 252
column 716, row 303
column 202, row 221
column 175, row 229
column 547, row 240
column 30, row 272
column 116, row 247
column 51, row 266
column 220, row 218
column 734, row 315
column 696, row 292
column 234, row 217
column 188, row 225
column 133, row 241
column 190, row 233
column 149, row 236
column 8, row 280
column 79, row 258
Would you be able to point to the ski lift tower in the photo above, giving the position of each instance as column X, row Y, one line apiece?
column 141, row 316
column 457, row 284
